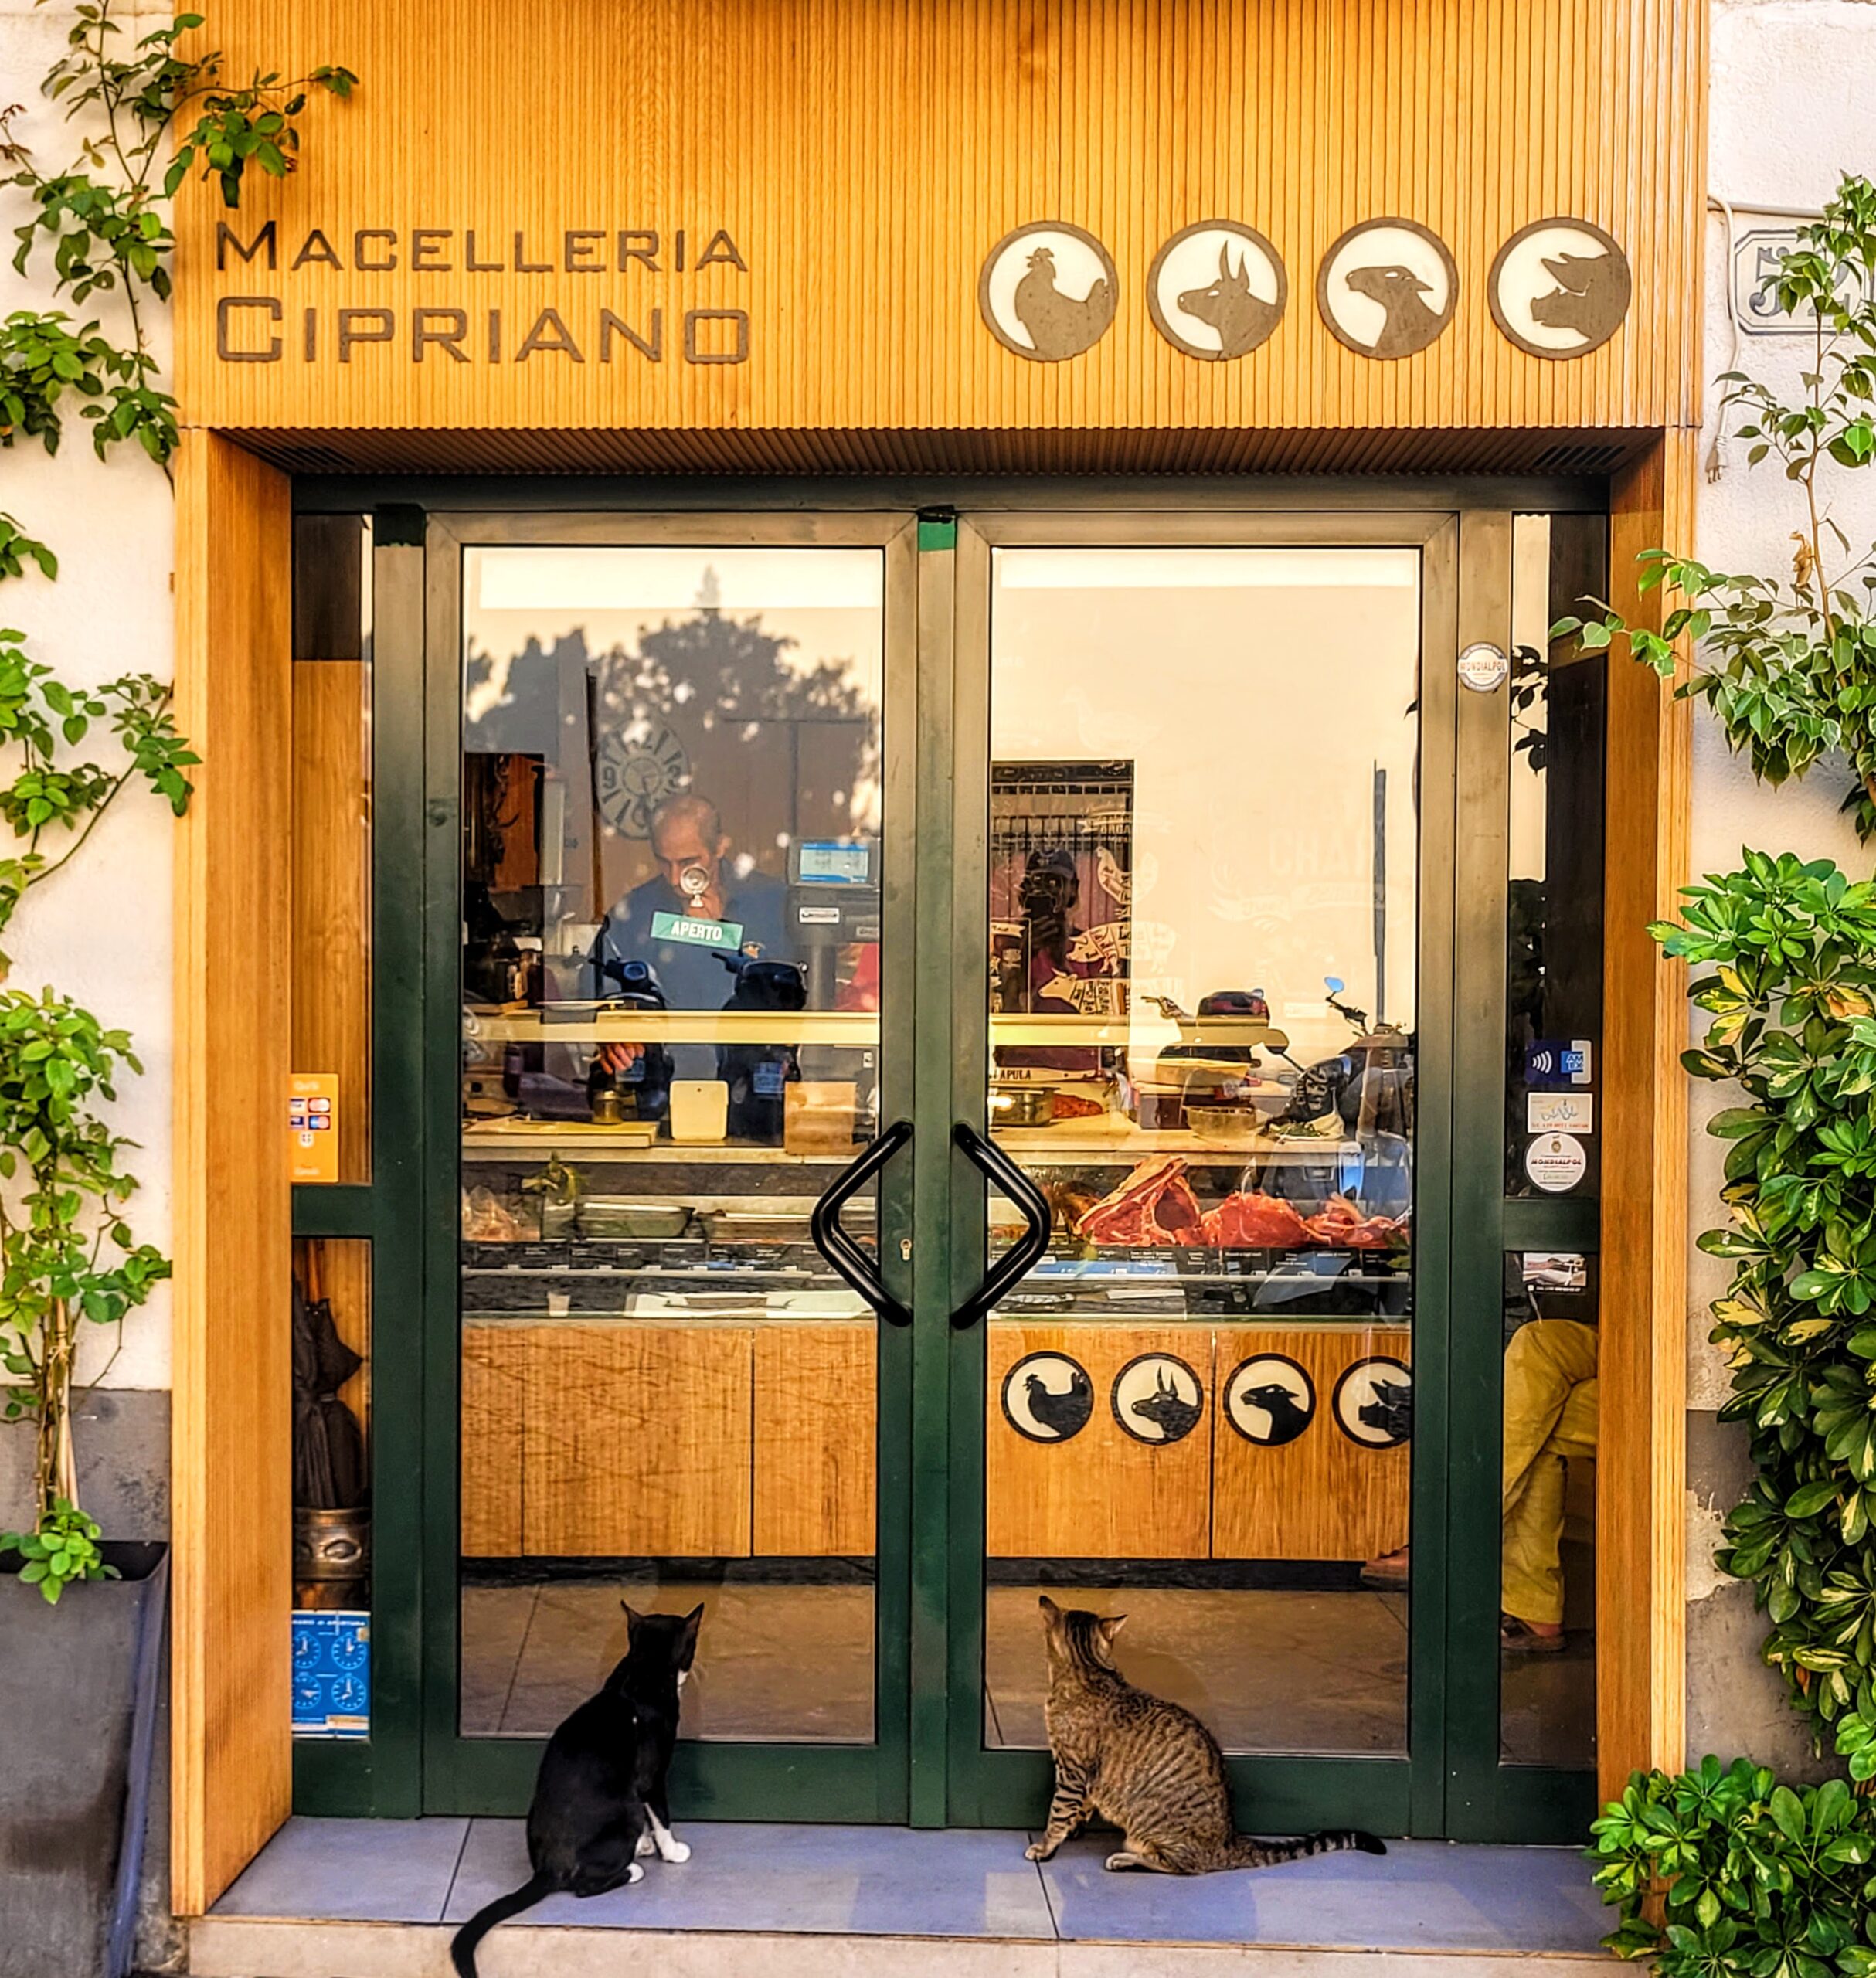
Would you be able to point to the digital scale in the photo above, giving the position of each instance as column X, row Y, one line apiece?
column 833, row 903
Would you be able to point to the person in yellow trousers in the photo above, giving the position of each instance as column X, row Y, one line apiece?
column 1550, row 1416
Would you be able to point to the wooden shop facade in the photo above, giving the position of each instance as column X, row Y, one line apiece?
column 896, row 900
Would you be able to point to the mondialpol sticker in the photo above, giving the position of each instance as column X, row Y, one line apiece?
column 1556, row 1162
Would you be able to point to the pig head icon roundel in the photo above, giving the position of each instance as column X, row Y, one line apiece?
column 1560, row 288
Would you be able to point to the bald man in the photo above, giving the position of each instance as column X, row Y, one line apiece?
column 699, row 885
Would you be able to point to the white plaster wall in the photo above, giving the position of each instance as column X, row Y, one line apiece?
column 99, row 931
column 1792, row 85
column 1793, row 82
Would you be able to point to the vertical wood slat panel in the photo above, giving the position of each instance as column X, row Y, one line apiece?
column 866, row 159
column 231, row 1756
column 1641, row 1558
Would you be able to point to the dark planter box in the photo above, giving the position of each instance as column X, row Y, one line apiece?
column 77, row 1739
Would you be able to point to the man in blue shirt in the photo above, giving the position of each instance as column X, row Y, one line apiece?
column 700, row 906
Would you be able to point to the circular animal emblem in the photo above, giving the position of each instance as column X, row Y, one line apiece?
column 1560, row 288
column 1373, row 1403
column 1217, row 289
column 634, row 769
column 1387, row 288
column 1048, row 1397
column 1047, row 291
column 1269, row 1400
column 1157, row 1398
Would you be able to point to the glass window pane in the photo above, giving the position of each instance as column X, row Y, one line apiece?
column 1553, row 1048
column 672, row 819
column 332, row 1488
column 1202, row 927
column 331, row 919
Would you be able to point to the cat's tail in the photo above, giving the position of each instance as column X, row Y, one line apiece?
column 462, row 1946
column 1249, row 1852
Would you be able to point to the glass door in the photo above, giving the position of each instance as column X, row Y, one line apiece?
column 682, row 952
column 965, row 1059
column 1207, row 875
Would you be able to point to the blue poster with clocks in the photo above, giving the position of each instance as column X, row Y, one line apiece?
column 332, row 1673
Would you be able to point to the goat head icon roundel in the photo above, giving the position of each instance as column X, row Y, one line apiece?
column 1217, row 289
column 1387, row 288
column 1047, row 291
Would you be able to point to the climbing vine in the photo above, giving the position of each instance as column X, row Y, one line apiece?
column 152, row 114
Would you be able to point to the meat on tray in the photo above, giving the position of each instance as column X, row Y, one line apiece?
column 1154, row 1204
column 1342, row 1226
column 1255, row 1222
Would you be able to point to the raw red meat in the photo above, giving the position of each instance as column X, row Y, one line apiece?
column 1342, row 1226
column 1153, row 1205
column 1255, row 1222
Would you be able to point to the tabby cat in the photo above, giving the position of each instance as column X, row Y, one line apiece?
column 1149, row 1766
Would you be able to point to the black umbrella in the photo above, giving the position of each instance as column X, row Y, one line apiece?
column 328, row 1450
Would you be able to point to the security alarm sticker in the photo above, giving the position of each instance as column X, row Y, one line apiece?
column 1157, row 1398
column 1269, row 1400
column 1373, row 1402
column 1556, row 1162
column 1048, row 1397
column 702, row 933
column 1549, row 1062
column 1559, row 1113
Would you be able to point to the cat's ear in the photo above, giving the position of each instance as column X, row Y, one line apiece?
column 687, row 1638
column 1110, row 1625
column 1050, row 1611
column 633, row 1617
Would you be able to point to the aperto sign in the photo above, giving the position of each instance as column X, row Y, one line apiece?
column 624, row 294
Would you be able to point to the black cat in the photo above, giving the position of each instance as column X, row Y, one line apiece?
column 599, row 1797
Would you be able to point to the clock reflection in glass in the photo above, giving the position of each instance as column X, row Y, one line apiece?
column 634, row 769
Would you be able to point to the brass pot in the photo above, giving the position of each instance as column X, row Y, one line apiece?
column 329, row 1545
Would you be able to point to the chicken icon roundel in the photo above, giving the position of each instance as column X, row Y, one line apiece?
column 1047, row 291
column 1216, row 291
column 1387, row 288
column 1048, row 1397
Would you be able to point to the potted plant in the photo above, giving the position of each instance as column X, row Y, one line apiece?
column 81, row 1617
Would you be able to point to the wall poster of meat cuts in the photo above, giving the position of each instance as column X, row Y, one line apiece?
column 1060, row 885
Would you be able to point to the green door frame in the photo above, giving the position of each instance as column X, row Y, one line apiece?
column 929, row 1766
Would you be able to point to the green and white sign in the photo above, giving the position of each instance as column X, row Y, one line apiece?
column 701, row 933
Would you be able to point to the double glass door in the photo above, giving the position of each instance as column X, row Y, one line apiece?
column 970, row 1057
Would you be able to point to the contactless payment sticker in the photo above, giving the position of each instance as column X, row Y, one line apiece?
column 1556, row 1162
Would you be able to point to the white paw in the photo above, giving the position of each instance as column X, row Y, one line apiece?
column 675, row 1850
column 646, row 1846
column 635, row 1873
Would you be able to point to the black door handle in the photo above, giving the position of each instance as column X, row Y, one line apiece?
column 1021, row 1257
column 845, row 1256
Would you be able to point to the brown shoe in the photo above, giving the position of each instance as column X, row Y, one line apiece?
column 1389, row 1574
column 1517, row 1637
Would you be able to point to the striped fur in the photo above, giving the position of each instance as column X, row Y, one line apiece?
column 1148, row 1766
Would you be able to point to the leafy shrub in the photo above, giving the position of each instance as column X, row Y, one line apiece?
column 1756, row 1880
